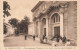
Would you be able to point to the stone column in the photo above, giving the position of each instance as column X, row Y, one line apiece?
column 61, row 25
column 50, row 28
column 39, row 29
column 47, row 27
column 34, row 28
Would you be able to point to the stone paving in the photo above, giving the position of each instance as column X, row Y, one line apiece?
column 20, row 41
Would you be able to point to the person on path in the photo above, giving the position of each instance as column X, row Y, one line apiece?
column 25, row 37
column 33, row 37
column 64, row 39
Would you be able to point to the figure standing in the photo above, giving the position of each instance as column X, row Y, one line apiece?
column 25, row 37
column 33, row 37
column 64, row 39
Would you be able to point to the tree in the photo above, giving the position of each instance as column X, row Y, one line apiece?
column 6, row 7
column 13, row 22
column 5, row 28
column 24, row 24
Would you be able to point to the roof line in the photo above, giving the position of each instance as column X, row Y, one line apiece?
column 37, row 5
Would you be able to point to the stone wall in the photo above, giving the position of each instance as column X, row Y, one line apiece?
column 42, row 8
column 70, row 21
column 31, row 29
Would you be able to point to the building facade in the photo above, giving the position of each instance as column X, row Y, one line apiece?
column 31, row 28
column 55, row 18
column 9, row 30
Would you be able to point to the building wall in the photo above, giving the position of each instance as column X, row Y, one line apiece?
column 31, row 29
column 10, row 30
column 70, row 21
column 42, row 8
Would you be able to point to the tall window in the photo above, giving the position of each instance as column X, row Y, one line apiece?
column 55, row 18
column 44, row 21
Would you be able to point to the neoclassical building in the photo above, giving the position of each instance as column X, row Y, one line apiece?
column 55, row 18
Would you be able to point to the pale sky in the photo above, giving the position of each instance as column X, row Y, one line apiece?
column 20, row 8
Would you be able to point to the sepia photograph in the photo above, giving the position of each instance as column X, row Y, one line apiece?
column 39, row 23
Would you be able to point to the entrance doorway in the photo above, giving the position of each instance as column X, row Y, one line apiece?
column 57, row 31
column 44, row 31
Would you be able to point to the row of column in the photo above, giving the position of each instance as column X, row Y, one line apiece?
column 48, row 27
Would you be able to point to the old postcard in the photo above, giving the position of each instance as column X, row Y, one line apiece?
column 39, row 25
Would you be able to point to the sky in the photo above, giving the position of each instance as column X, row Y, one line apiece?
column 20, row 8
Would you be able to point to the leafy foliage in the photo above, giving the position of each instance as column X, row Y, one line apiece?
column 5, row 29
column 6, row 7
column 23, row 25
column 13, row 22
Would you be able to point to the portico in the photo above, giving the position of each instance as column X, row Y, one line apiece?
column 53, row 18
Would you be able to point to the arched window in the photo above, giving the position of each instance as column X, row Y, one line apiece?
column 44, row 21
column 55, row 18
column 59, row 19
